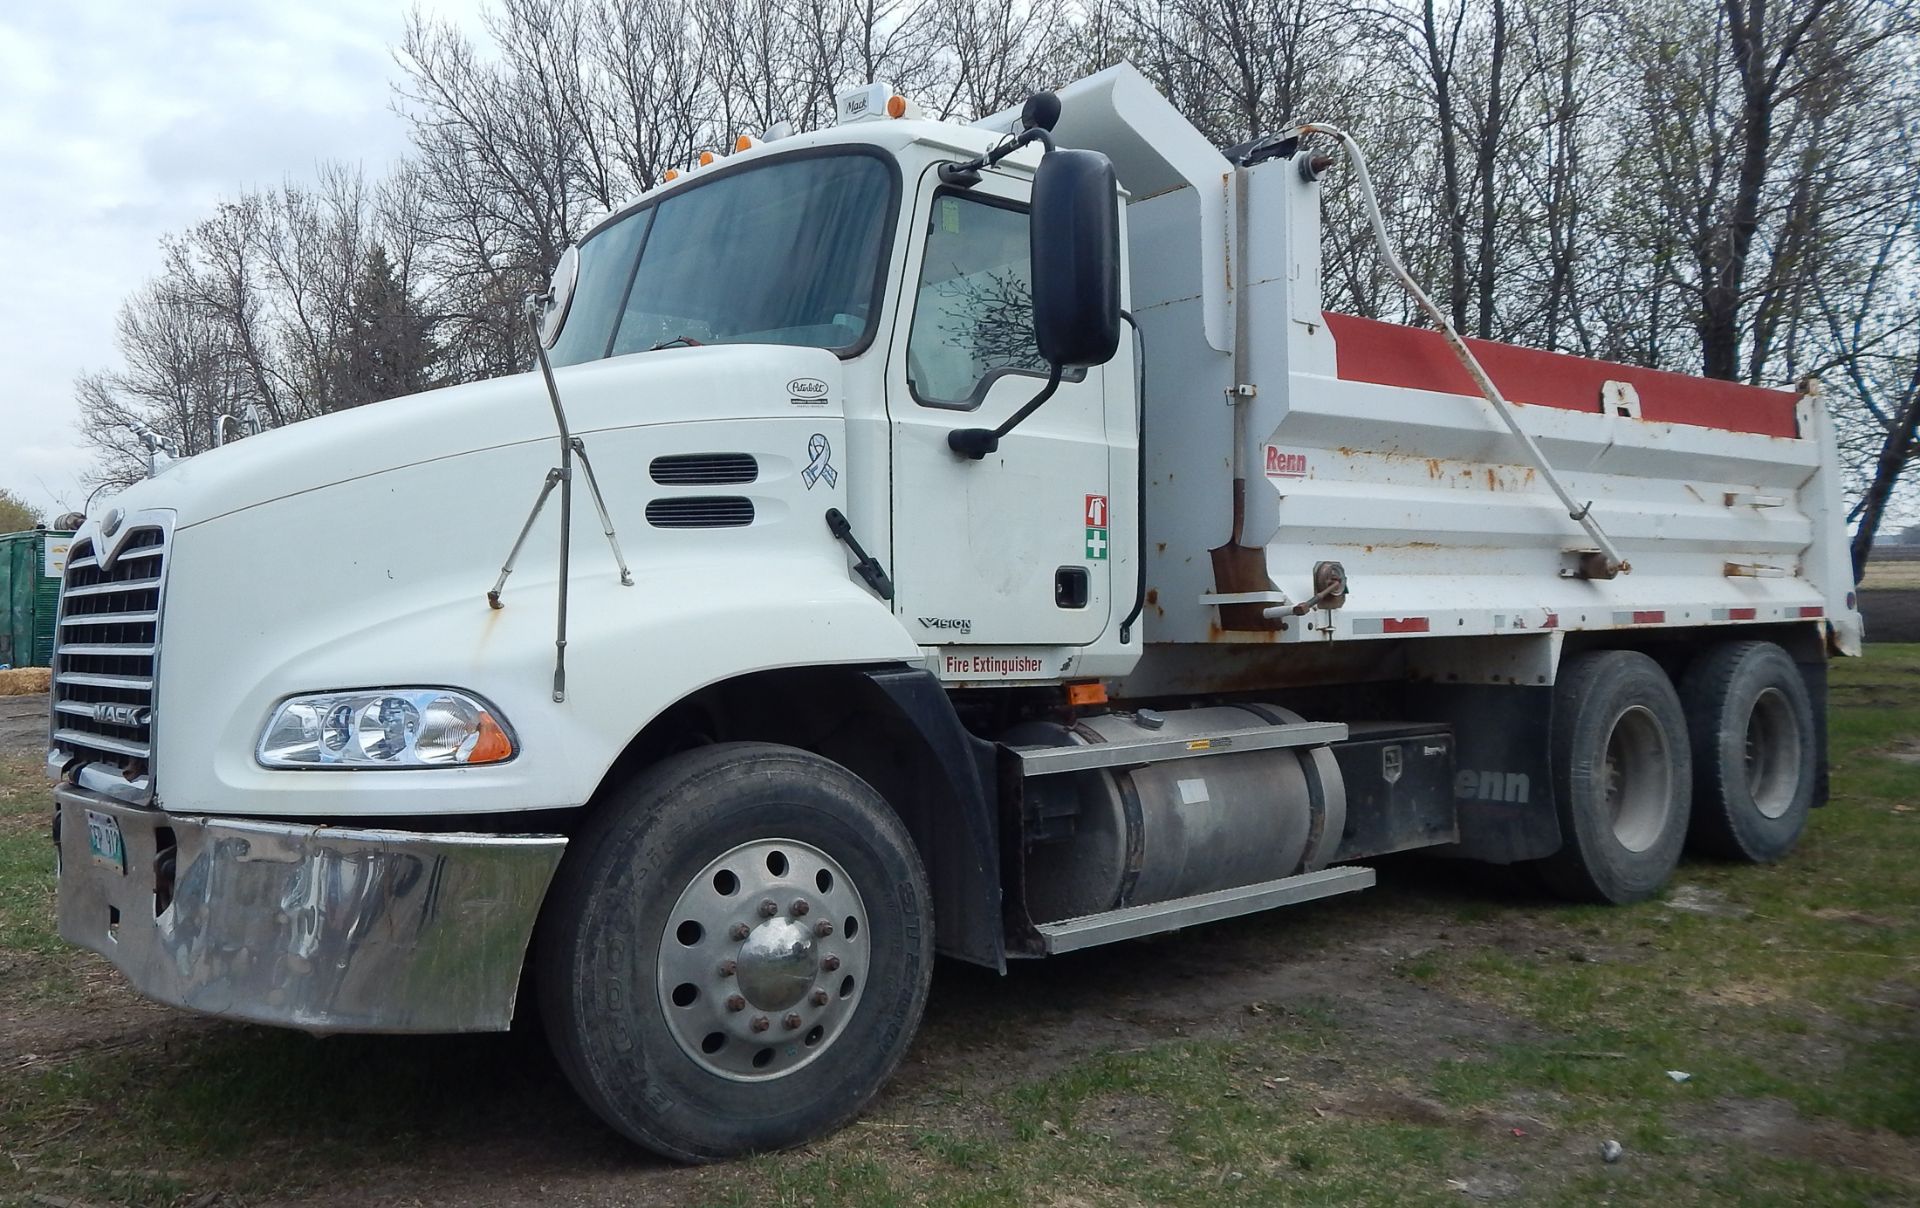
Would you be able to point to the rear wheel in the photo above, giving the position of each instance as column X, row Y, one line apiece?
column 738, row 952
column 1622, row 778
column 1754, row 751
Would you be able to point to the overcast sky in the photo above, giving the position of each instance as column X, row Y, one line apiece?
column 123, row 120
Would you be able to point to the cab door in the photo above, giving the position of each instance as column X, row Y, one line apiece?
column 1013, row 549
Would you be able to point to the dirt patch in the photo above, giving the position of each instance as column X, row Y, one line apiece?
column 1774, row 1125
column 97, row 1011
column 23, row 724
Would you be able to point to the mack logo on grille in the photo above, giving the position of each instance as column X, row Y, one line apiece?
column 112, row 714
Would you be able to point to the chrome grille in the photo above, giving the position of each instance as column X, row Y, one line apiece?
column 105, row 653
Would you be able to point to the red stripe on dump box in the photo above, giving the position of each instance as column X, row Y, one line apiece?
column 1403, row 624
column 1652, row 617
column 1740, row 614
column 1388, row 354
column 1813, row 610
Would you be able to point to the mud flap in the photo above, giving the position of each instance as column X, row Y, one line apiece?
column 1503, row 778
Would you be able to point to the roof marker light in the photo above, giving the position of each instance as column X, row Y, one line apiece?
column 745, row 142
column 707, row 158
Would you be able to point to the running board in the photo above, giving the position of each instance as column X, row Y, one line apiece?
column 1133, row 922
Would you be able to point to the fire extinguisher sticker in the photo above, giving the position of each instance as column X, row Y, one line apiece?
column 1096, row 519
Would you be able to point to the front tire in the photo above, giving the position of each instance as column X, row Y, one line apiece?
column 1754, row 752
column 1622, row 778
column 688, row 1015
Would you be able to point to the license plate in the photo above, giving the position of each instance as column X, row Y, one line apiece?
column 103, row 841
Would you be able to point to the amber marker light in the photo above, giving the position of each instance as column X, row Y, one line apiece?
column 896, row 106
column 493, row 744
column 673, row 174
column 1087, row 694
column 707, row 157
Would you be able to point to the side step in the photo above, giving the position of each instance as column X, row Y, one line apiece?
column 1088, row 931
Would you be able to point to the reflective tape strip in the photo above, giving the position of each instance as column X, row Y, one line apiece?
column 1389, row 625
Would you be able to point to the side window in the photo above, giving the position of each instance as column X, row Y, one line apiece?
column 973, row 314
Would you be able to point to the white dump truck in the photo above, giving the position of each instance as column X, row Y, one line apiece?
column 986, row 544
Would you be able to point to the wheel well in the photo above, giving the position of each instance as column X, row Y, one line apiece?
column 908, row 756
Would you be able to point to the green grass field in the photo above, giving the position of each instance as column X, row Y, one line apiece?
column 1443, row 1039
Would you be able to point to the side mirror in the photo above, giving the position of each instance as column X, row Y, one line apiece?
column 1075, row 232
column 1074, row 229
column 559, row 296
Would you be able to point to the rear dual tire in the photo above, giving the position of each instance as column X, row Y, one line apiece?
column 1725, row 766
column 1755, row 752
column 1622, row 778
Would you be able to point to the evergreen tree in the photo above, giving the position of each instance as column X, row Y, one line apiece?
column 385, row 350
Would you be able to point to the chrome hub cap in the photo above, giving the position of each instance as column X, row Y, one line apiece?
column 763, row 959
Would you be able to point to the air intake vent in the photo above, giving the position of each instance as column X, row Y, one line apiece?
column 701, row 511
column 705, row 469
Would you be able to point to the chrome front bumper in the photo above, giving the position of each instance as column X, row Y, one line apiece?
column 322, row 928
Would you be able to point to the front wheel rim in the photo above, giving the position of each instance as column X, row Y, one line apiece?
column 763, row 960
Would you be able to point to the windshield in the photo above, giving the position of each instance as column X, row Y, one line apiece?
column 786, row 252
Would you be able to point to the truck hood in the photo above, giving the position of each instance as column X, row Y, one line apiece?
column 678, row 385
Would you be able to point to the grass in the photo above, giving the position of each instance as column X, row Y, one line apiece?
column 1442, row 1038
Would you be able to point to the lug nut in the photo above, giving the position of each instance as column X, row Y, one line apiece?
column 736, row 1003
column 800, row 907
column 820, row 998
column 761, row 1023
column 830, row 964
column 792, row 1021
column 769, row 908
column 823, row 929
column 740, row 931
column 727, row 967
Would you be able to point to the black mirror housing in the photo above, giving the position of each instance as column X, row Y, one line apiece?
column 1076, row 258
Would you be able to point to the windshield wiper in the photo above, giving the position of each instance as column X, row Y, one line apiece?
column 682, row 341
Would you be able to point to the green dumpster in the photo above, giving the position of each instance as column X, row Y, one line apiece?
column 31, row 564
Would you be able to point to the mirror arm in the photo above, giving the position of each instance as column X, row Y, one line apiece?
column 966, row 174
column 975, row 443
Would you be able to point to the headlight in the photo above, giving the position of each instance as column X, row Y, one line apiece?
column 385, row 728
